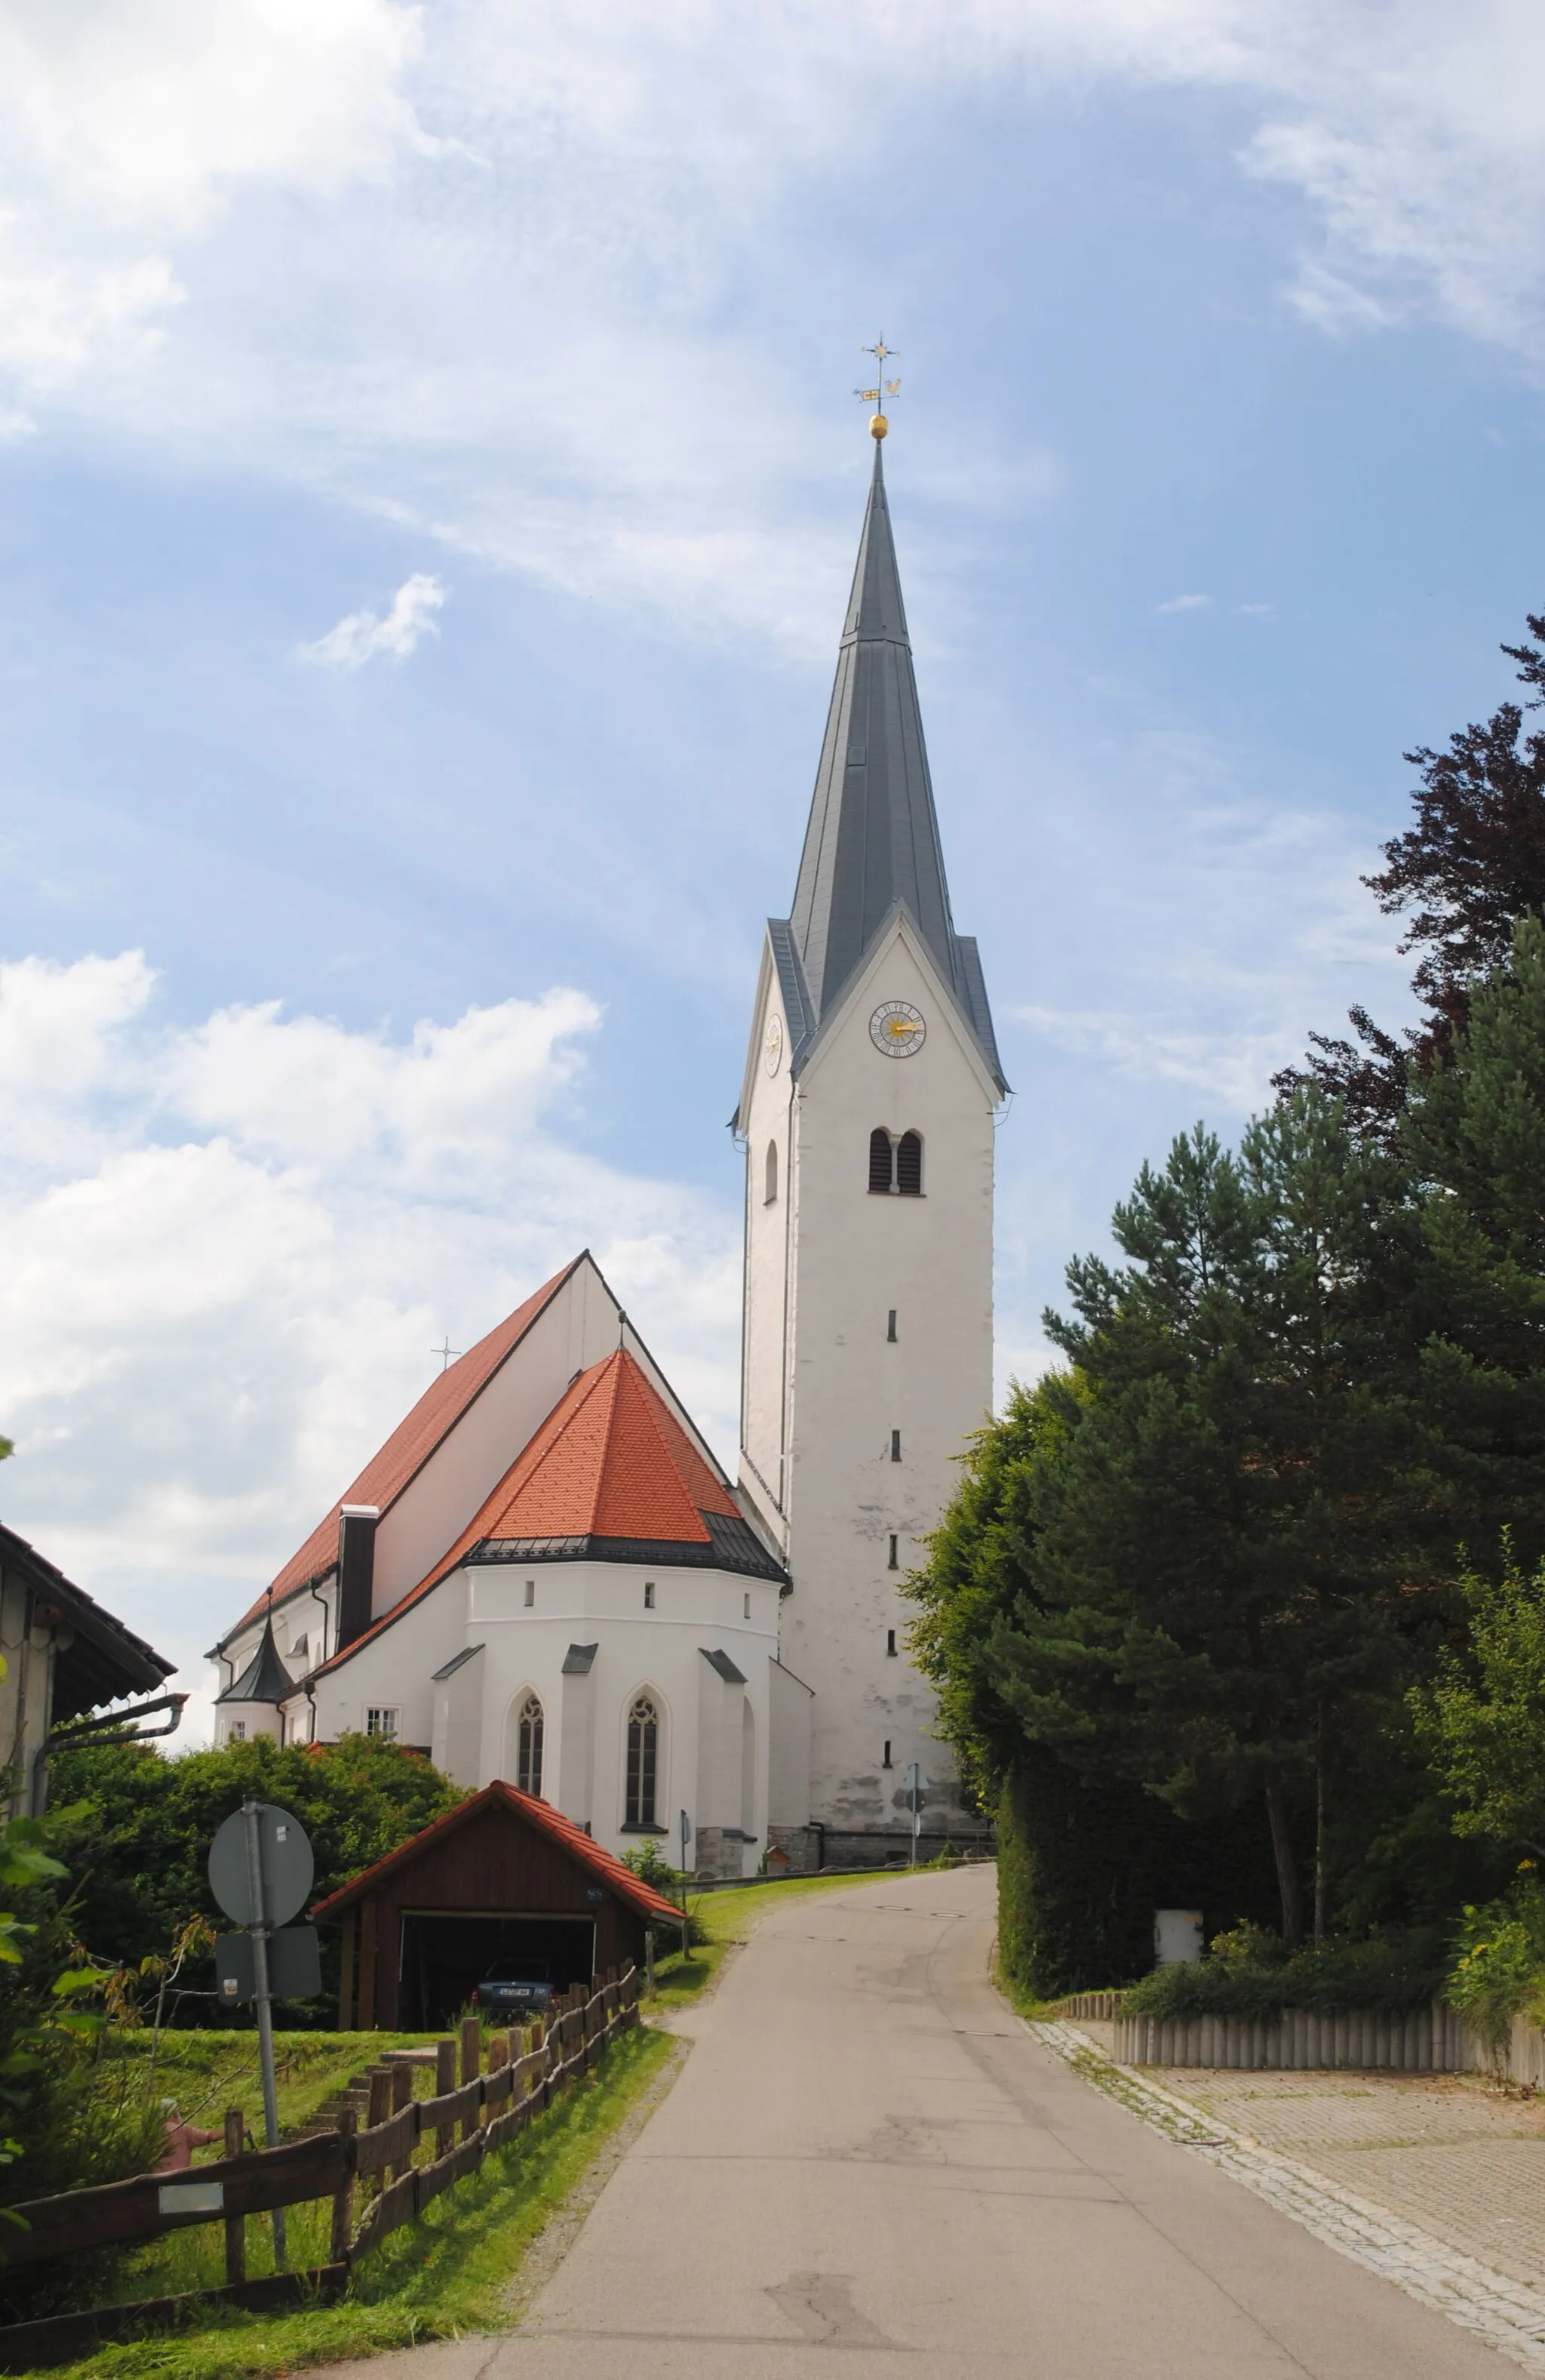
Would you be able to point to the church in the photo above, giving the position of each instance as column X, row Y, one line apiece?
column 545, row 1576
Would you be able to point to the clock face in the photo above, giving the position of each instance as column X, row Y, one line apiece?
column 772, row 1043
column 897, row 1029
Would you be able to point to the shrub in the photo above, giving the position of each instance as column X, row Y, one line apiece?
column 1499, row 1967
column 1253, row 1977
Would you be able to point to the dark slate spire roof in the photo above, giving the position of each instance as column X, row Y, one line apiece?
column 265, row 1678
column 873, row 840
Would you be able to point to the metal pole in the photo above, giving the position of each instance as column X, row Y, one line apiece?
column 917, row 1825
column 251, row 1811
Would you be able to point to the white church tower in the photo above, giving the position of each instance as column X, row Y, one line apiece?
column 867, row 1113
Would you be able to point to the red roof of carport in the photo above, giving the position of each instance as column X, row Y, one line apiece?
column 544, row 1817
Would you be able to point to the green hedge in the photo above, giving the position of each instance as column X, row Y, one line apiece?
column 1395, row 1975
column 1081, row 1869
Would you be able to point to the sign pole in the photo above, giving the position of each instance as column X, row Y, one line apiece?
column 251, row 1813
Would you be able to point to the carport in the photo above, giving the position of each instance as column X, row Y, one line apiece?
column 501, row 1876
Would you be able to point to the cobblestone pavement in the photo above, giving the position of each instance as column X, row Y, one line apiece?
column 1433, row 2180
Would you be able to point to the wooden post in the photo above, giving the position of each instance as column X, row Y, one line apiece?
column 445, row 2079
column 401, row 2091
column 343, row 2197
column 472, row 2066
column 236, row 2225
column 380, row 2104
column 346, row 1976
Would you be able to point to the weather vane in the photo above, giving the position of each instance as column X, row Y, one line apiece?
column 882, row 389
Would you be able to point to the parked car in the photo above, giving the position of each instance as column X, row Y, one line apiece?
column 514, row 1987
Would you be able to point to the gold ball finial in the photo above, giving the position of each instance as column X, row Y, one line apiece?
column 878, row 425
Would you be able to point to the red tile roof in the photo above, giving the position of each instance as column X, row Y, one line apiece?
column 540, row 1814
column 410, row 1445
column 611, row 1459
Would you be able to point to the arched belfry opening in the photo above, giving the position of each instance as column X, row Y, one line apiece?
column 895, row 1165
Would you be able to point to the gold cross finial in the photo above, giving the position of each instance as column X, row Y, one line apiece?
column 882, row 389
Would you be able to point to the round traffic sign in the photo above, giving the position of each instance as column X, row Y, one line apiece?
column 288, row 1866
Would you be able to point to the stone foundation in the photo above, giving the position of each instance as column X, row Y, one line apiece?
column 720, row 1854
column 808, row 1849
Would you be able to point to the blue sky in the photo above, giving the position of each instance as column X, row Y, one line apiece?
column 427, row 490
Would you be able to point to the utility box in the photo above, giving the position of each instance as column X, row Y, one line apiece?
column 1177, row 1936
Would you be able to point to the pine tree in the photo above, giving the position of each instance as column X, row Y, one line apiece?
column 1203, row 1579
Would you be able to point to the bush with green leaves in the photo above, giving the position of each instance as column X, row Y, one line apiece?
column 1248, row 1973
column 1499, row 1966
column 141, row 1826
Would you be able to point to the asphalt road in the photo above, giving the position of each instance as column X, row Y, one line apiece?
column 867, row 2167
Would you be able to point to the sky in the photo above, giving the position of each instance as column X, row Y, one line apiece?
column 429, row 480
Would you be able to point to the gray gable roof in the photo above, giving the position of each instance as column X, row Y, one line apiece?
column 873, row 840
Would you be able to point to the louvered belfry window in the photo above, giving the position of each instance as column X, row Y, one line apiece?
column 642, row 1754
column 528, row 1760
column 909, row 1165
column 882, row 1161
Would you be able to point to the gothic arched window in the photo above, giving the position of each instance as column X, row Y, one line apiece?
column 644, row 1732
column 882, row 1161
column 771, row 1192
column 909, row 1165
column 528, row 1757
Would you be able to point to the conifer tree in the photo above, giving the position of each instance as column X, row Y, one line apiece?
column 1475, row 1133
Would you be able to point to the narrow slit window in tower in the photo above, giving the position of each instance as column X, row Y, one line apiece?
column 882, row 1162
column 530, row 1593
column 909, row 1165
column 890, row 1642
column 896, row 1446
column 890, row 1326
column 894, row 1563
column 648, row 1594
column 769, row 1192
column 886, row 1762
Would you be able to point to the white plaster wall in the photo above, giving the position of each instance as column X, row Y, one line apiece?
column 456, row 1741
column 397, row 1667
column 855, row 1256
column 790, row 1706
column 765, row 1117
column 661, row 1650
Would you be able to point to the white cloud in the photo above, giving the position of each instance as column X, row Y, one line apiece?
column 359, row 636
column 226, row 228
column 127, row 126
column 1186, row 603
column 230, row 1249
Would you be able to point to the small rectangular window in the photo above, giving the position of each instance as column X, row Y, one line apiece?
column 890, row 1326
column 381, row 1720
column 896, row 1446
column 746, row 1600
column 648, row 1594
column 530, row 1593
column 890, row 1642
column 886, row 1762
column 894, row 1563
column 237, row 1733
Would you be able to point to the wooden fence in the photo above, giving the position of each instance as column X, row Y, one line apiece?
column 367, row 2169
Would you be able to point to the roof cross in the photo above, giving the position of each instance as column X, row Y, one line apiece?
column 445, row 1353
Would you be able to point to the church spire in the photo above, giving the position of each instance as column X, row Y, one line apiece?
column 873, row 840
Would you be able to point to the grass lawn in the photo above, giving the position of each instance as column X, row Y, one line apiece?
column 452, row 2270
